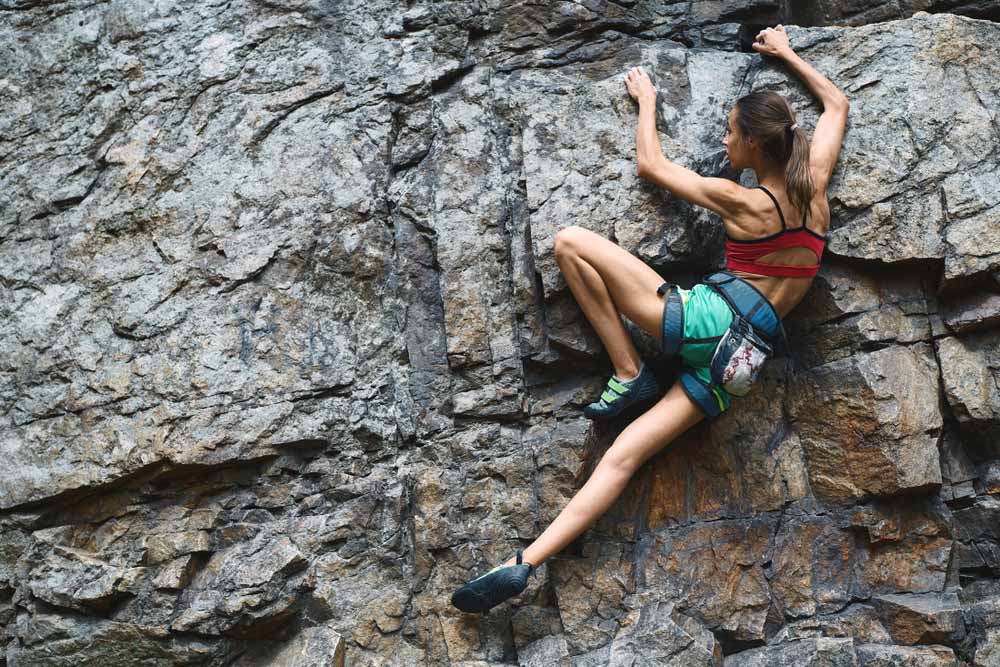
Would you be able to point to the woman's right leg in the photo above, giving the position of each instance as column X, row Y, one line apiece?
column 608, row 281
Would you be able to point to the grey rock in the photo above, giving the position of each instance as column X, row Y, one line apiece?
column 848, row 311
column 988, row 478
column 981, row 614
column 901, row 219
column 48, row 640
column 825, row 651
column 811, row 573
column 769, row 470
column 923, row 618
column 974, row 311
column 908, row 548
column 592, row 593
column 825, row 12
column 244, row 591
column 312, row 647
column 956, row 466
column 594, row 658
column 68, row 578
column 532, row 623
column 168, row 547
column 285, row 355
column 550, row 650
column 714, row 570
column 969, row 372
column 869, row 423
column 651, row 635
column 176, row 574
column 875, row 655
column 978, row 527
column 988, row 650
column 857, row 621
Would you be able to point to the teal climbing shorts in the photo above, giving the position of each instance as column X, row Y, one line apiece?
column 706, row 317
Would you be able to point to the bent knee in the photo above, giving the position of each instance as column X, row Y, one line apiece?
column 567, row 240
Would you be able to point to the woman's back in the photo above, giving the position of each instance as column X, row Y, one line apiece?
column 762, row 220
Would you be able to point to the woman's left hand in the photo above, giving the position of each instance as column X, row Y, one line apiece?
column 639, row 86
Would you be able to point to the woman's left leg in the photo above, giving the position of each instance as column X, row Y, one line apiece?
column 654, row 429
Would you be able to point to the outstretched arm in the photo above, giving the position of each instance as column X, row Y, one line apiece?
column 720, row 195
column 831, row 126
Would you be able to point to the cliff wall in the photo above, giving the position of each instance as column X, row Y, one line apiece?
column 285, row 356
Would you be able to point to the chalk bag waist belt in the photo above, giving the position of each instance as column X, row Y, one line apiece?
column 746, row 301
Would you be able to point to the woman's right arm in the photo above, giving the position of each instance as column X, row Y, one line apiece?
column 829, row 133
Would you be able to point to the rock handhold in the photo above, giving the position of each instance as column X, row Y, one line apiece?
column 926, row 618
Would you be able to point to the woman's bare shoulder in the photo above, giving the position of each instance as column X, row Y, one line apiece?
column 747, row 220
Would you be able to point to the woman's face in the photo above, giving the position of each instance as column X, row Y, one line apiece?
column 732, row 140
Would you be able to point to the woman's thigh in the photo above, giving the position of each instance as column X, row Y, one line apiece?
column 631, row 282
column 673, row 414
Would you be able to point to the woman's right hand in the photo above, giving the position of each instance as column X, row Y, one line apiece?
column 772, row 42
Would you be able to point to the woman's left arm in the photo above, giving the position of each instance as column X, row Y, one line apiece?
column 719, row 195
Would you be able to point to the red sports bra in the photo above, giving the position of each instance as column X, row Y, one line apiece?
column 743, row 255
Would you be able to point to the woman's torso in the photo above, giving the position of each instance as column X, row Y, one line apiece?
column 761, row 219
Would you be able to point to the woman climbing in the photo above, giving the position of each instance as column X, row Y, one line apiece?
column 724, row 327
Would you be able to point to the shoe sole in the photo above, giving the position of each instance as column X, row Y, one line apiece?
column 484, row 593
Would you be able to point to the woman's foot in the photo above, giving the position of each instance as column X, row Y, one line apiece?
column 619, row 395
column 499, row 584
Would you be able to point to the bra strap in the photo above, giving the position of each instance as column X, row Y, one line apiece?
column 777, row 205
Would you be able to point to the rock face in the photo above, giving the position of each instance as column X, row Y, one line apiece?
column 285, row 354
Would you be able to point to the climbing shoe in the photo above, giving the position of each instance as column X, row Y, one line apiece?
column 618, row 395
column 489, row 590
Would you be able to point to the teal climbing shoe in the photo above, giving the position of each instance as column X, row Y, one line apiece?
column 618, row 395
column 499, row 584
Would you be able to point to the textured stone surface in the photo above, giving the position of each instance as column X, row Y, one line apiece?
column 970, row 371
column 285, row 356
column 980, row 310
column 656, row 634
column 869, row 424
column 825, row 652
column 313, row 647
column 874, row 655
column 849, row 311
column 550, row 650
column 922, row 618
column 903, row 219
column 858, row 621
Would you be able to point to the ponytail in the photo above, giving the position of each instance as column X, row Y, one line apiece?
column 798, row 178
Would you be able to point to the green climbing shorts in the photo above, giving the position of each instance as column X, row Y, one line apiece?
column 706, row 318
